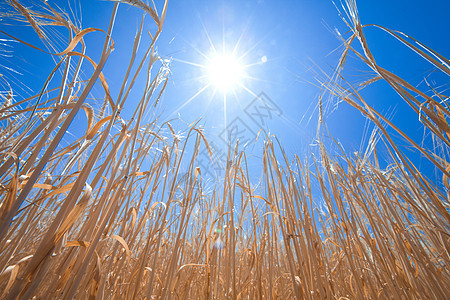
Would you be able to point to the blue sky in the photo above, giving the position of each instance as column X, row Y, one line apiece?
column 295, row 37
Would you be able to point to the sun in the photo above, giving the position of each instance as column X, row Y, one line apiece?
column 225, row 72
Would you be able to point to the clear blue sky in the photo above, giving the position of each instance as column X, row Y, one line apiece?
column 296, row 38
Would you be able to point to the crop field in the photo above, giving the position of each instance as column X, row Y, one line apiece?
column 120, row 209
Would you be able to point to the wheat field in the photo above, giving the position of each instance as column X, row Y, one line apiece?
column 121, row 211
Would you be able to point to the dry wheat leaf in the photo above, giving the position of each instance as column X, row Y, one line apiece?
column 14, row 269
column 77, row 244
column 96, row 127
column 124, row 244
column 60, row 190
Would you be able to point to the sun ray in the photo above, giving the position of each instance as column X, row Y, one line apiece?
column 194, row 47
column 249, row 50
column 189, row 63
column 248, row 90
column 210, row 100
column 190, row 99
column 255, row 64
column 257, row 79
column 196, row 79
column 225, row 110
column 208, row 37
column 236, row 96
column 244, row 30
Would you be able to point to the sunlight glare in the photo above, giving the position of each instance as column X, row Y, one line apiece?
column 224, row 72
